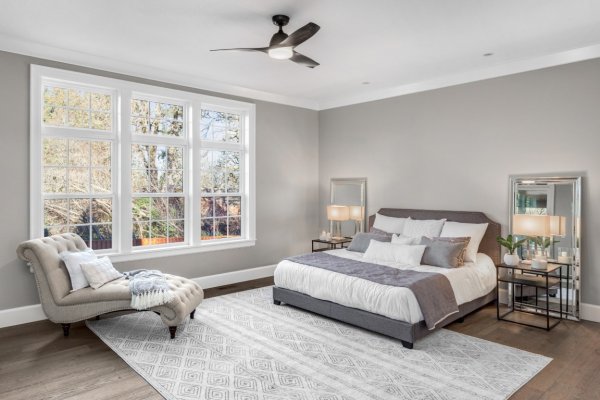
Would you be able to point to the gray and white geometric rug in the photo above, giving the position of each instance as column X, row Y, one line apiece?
column 242, row 347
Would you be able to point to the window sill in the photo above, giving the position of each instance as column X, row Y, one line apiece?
column 180, row 250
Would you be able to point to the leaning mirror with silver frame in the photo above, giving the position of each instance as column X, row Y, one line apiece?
column 350, row 217
column 553, row 196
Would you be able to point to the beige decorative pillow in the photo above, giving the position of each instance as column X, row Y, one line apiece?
column 99, row 272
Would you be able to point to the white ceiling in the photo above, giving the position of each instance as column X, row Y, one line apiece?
column 399, row 46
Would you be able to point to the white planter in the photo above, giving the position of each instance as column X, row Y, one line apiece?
column 511, row 259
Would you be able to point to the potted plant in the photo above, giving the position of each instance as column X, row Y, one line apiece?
column 511, row 244
column 543, row 243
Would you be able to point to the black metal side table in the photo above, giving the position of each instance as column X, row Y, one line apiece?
column 332, row 244
column 541, row 279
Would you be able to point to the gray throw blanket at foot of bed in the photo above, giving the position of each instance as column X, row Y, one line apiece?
column 432, row 290
column 149, row 288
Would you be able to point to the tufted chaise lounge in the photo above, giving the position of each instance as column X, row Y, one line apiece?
column 63, row 307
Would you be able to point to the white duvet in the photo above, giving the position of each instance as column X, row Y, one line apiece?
column 469, row 282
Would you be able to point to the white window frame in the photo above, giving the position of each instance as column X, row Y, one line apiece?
column 123, row 249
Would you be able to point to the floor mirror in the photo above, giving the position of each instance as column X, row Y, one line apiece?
column 559, row 197
column 350, row 196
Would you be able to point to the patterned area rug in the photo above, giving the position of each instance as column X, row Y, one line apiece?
column 242, row 347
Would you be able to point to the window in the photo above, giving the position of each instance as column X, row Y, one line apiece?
column 157, row 171
column 76, row 162
column 135, row 169
column 221, row 187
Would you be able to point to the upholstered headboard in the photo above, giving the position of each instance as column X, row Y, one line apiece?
column 488, row 244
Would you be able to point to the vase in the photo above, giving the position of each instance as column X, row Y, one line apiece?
column 511, row 259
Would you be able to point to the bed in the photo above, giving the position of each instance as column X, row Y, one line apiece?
column 388, row 310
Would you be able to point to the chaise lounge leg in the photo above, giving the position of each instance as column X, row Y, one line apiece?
column 172, row 330
column 406, row 345
column 66, row 328
column 277, row 302
column 192, row 314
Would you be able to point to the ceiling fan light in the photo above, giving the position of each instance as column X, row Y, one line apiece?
column 281, row 53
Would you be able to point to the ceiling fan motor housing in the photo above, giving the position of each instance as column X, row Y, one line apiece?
column 280, row 20
column 280, row 36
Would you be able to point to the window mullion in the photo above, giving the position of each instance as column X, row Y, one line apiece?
column 195, row 146
column 125, row 194
column 36, row 226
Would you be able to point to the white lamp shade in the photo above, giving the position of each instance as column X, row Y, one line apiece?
column 357, row 213
column 558, row 225
column 338, row 213
column 531, row 225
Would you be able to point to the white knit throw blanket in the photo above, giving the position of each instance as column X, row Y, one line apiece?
column 149, row 288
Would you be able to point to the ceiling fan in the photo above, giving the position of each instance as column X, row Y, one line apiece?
column 282, row 46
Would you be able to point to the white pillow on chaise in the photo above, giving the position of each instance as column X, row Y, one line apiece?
column 73, row 261
column 398, row 253
column 461, row 229
column 389, row 224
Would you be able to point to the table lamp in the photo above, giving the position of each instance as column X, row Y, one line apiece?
column 357, row 214
column 338, row 214
column 558, row 225
column 532, row 225
column 539, row 225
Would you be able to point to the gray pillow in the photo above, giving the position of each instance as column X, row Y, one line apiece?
column 361, row 241
column 379, row 232
column 444, row 252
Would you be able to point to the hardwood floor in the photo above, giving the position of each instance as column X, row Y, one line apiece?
column 37, row 362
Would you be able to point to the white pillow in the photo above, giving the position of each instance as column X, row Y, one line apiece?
column 460, row 229
column 73, row 261
column 398, row 253
column 401, row 239
column 100, row 271
column 423, row 227
column 389, row 224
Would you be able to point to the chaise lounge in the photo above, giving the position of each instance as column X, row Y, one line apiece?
column 65, row 307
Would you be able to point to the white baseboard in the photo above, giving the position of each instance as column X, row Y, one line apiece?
column 590, row 312
column 34, row 312
column 21, row 315
column 229, row 278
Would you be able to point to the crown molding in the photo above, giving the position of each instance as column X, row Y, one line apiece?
column 38, row 50
column 20, row 46
column 531, row 64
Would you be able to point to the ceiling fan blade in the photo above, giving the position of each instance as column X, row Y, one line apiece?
column 303, row 60
column 261, row 49
column 301, row 35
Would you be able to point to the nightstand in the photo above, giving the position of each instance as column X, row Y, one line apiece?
column 539, row 312
column 332, row 244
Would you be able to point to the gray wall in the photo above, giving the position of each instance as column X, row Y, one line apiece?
column 286, row 188
column 454, row 148
column 451, row 148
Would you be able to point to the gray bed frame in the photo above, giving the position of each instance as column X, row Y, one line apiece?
column 406, row 332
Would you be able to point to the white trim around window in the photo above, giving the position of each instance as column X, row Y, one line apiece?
column 121, row 138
